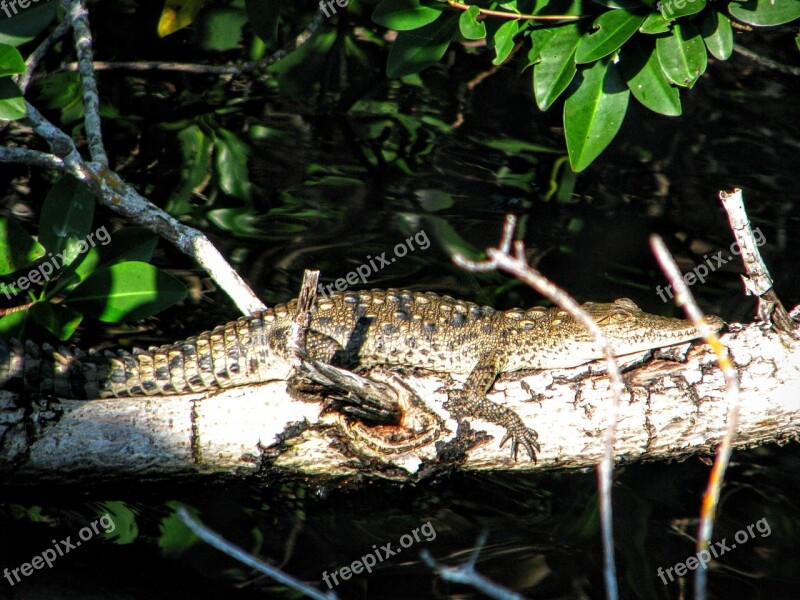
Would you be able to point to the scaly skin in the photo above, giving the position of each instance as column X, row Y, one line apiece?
column 358, row 329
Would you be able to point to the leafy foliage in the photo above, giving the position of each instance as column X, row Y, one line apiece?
column 13, row 33
column 76, row 271
column 577, row 51
column 586, row 59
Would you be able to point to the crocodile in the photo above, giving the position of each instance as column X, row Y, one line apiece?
column 357, row 329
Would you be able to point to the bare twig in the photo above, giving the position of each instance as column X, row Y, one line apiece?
column 766, row 62
column 466, row 573
column 168, row 66
column 683, row 298
column 31, row 157
column 757, row 281
column 24, row 79
column 79, row 17
column 512, row 15
column 302, row 318
column 499, row 258
column 217, row 541
column 200, row 69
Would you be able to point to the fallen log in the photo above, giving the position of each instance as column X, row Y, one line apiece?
column 670, row 410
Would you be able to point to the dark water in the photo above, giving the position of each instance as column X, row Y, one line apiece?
column 330, row 208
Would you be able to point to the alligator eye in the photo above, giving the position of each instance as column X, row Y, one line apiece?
column 618, row 312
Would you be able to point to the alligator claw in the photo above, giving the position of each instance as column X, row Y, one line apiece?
column 528, row 439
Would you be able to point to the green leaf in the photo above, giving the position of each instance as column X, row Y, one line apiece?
column 219, row 28
column 593, row 113
column 66, row 218
column 12, row 104
column 655, row 23
column 682, row 54
column 264, row 16
column 26, row 25
column 127, row 291
column 672, row 9
column 17, row 248
column 81, row 268
column 433, row 200
column 405, row 15
column 556, row 67
column 176, row 15
column 513, row 147
column 415, row 50
column 11, row 61
column 123, row 528
column 302, row 70
column 58, row 319
column 442, row 232
column 762, row 13
column 13, row 325
column 539, row 38
column 131, row 243
column 242, row 221
column 503, row 41
column 470, row 27
column 175, row 537
column 57, row 90
column 646, row 80
column 196, row 164
column 612, row 29
column 717, row 34
column 231, row 161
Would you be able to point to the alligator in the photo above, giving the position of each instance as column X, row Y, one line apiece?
column 357, row 329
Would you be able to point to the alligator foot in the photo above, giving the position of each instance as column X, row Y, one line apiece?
column 460, row 404
column 471, row 401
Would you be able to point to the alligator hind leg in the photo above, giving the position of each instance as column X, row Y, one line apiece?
column 471, row 401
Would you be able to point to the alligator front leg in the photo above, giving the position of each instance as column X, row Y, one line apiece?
column 471, row 401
